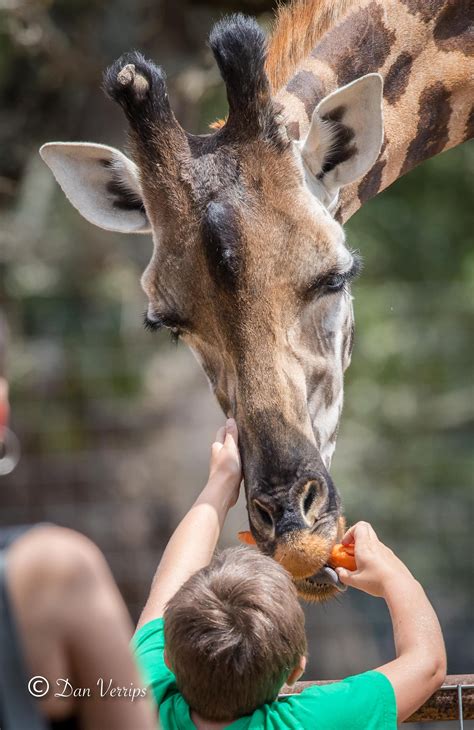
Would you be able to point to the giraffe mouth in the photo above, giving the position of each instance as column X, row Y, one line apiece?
column 321, row 586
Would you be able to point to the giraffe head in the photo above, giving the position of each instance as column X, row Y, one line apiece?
column 249, row 267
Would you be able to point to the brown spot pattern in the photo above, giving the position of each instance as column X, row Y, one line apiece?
column 308, row 89
column 329, row 395
column 349, row 345
column 293, row 129
column 426, row 9
column 396, row 80
column 359, row 45
column 333, row 436
column 370, row 184
column 432, row 132
column 454, row 29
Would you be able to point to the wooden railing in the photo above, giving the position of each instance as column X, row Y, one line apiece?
column 453, row 701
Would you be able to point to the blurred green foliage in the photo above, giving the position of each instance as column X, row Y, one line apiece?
column 404, row 457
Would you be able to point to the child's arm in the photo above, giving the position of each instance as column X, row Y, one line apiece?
column 192, row 545
column 420, row 666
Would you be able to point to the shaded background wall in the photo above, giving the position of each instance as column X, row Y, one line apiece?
column 115, row 423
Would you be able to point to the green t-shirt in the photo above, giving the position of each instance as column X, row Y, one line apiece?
column 363, row 702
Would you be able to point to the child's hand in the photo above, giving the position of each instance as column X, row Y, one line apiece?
column 225, row 459
column 378, row 568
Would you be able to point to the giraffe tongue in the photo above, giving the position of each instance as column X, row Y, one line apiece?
column 328, row 576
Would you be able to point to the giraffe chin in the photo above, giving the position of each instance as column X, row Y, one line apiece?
column 314, row 593
column 320, row 587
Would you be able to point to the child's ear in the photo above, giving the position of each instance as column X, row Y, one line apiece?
column 297, row 672
column 167, row 660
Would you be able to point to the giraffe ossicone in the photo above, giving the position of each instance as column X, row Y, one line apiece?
column 128, row 76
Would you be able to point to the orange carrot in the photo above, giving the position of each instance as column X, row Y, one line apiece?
column 246, row 537
column 342, row 556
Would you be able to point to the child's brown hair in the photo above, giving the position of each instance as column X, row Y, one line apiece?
column 234, row 632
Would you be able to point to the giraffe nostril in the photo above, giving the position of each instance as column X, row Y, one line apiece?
column 309, row 498
column 310, row 502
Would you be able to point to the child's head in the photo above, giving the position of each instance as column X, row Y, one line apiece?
column 234, row 633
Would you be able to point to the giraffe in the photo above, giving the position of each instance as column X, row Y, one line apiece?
column 250, row 265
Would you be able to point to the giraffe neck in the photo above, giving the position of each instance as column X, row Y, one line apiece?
column 424, row 49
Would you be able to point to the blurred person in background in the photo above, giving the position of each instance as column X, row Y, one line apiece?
column 64, row 629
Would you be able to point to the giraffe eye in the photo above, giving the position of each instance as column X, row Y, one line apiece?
column 335, row 282
column 329, row 284
column 159, row 322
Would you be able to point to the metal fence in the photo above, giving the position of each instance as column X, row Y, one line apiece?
column 453, row 701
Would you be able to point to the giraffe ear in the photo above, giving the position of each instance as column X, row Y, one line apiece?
column 344, row 138
column 101, row 183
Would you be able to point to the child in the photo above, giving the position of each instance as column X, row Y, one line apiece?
column 219, row 637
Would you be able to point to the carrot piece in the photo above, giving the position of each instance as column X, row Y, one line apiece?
column 246, row 537
column 342, row 556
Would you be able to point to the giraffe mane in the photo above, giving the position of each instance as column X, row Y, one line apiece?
column 297, row 29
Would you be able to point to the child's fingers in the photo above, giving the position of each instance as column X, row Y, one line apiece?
column 231, row 428
column 220, row 435
column 230, row 443
column 348, row 577
column 360, row 533
column 215, row 448
column 348, row 537
column 231, row 437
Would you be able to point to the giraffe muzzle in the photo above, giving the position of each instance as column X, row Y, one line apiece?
column 298, row 525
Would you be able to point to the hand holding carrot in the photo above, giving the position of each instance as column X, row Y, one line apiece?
column 376, row 565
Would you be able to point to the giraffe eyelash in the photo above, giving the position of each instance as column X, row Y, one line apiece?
column 335, row 281
column 357, row 266
column 152, row 325
column 155, row 325
column 348, row 276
